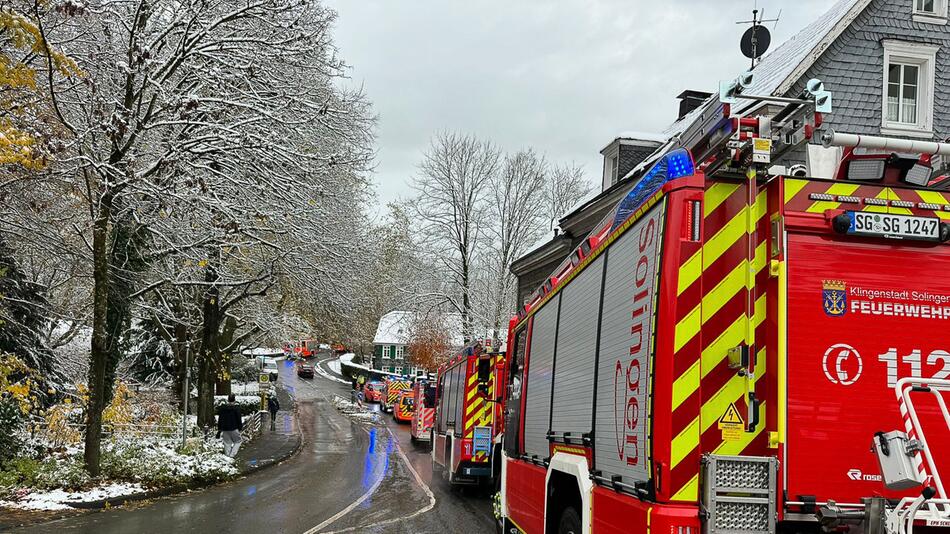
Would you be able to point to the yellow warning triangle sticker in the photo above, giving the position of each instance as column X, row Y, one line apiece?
column 731, row 417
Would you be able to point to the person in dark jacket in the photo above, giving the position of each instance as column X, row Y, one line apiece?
column 272, row 406
column 230, row 426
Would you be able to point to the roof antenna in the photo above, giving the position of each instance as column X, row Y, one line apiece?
column 756, row 40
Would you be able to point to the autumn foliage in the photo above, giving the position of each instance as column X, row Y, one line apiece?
column 429, row 342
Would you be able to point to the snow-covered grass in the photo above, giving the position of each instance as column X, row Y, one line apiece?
column 129, row 465
column 354, row 411
column 58, row 499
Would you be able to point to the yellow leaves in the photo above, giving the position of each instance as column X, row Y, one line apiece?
column 16, row 382
column 203, row 263
column 25, row 35
column 21, row 97
column 120, row 410
column 57, row 427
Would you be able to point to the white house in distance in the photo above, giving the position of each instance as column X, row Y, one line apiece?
column 392, row 337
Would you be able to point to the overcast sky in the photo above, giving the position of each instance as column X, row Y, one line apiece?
column 562, row 76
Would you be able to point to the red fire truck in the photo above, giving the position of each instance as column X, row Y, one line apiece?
column 424, row 415
column 468, row 416
column 306, row 348
column 392, row 387
column 727, row 348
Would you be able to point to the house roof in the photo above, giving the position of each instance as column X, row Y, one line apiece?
column 782, row 67
column 394, row 328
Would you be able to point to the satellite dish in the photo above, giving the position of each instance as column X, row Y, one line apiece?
column 755, row 41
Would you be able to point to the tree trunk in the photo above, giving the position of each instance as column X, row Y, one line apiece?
column 98, row 360
column 466, row 302
column 210, row 350
column 226, row 339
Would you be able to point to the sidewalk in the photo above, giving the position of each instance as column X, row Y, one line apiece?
column 271, row 446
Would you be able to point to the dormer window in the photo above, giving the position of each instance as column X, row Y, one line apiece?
column 930, row 11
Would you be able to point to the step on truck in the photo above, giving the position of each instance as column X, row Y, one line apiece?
column 423, row 417
column 391, row 390
column 468, row 416
column 740, row 346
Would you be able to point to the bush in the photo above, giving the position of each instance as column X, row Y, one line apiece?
column 158, row 463
column 247, row 404
column 244, row 369
column 52, row 472
column 11, row 424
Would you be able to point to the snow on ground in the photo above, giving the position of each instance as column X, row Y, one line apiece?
column 322, row 372
column 262, row 351
column 58, row 499
column 354, row 411
column 250, row 388
column 335, row 366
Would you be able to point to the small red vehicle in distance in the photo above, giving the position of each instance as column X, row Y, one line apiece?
column 424, row 415
column 306, row 348
column 373, row 392
column 404, row 407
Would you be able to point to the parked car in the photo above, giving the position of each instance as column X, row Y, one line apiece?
column 373, row 392
column 305, row 370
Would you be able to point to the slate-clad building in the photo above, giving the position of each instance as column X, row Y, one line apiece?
column 886, row 63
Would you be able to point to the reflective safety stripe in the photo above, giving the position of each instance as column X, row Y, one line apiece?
column 716, row 195
column 684, row 443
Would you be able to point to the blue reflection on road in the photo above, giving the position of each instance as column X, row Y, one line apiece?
column 376, row 463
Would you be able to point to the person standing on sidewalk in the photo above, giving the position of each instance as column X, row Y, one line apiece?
column 272, row 407
column 230, row 426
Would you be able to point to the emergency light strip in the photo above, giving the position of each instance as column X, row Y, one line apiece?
column 845, row 199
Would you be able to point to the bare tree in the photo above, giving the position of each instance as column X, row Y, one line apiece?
column 452, row 185
column 516, row 224
column 566, row 186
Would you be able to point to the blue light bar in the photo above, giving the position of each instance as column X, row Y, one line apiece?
column 676, row 164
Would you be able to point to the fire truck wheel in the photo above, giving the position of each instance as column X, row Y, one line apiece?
column 570, row 522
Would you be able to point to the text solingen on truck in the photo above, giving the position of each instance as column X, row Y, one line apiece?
column 738, row 347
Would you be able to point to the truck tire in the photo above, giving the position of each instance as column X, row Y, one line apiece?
column 570, row 522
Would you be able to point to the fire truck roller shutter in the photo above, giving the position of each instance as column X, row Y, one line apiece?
column 459, row 385
column 445, row 401
column 538, row 393
column 453, row 400
column 624, row 364
column 572, row 405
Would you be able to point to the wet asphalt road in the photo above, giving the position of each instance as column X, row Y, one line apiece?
column 347, row 477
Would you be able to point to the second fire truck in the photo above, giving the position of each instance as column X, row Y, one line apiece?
column 468, row 416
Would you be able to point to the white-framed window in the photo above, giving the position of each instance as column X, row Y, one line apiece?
column 930, row 11
column 611, row 165
column 386, row 352
column 398, row 371
column 399, row 352
column 907, row 108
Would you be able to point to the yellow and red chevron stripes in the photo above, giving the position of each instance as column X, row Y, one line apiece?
column 392, row 392
column 909, row 201
column 478, row 411
column 713, row 291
